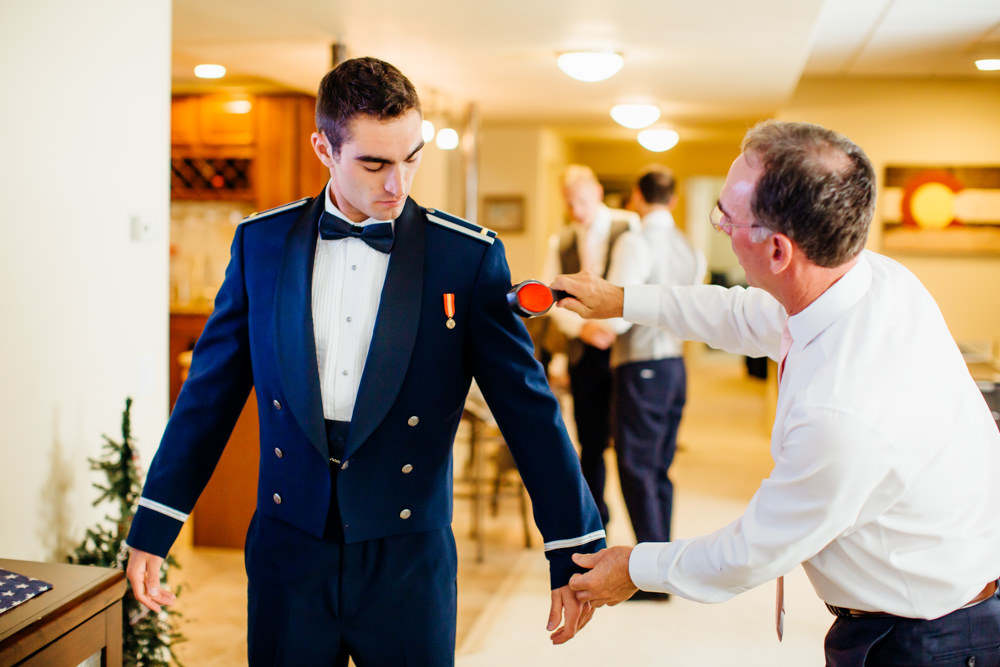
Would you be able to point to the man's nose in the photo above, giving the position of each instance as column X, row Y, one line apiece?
column 394, row 182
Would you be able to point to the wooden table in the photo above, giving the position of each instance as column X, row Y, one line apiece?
column 80, row 616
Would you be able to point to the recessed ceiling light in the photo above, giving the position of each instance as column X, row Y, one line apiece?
column 209, row 71
column 658, row 140
column 635, row 116
column 988, row 64
column 590, row 65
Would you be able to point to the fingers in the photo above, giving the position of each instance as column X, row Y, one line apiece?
column 585, row 560
column 555, row 611
column 143, row 572
column 573, row 611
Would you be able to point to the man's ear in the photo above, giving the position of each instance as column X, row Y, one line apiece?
column 781, row 250
column 321, row 146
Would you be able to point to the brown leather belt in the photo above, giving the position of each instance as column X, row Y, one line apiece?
column 843, row 612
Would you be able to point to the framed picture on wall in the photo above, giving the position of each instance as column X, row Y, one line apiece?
column 503, row 213
column 941, row 209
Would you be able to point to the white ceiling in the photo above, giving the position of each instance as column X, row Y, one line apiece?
column 702, row 62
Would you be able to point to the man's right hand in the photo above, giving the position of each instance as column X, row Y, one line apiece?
column 143, row 573
column 590, row 297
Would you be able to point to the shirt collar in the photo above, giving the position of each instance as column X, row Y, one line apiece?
column 831, row 304
column 661, row 217
column 332, row 209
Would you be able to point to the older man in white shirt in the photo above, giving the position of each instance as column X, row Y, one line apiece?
column 886, row 455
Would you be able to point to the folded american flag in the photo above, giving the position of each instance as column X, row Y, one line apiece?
column 17, row 588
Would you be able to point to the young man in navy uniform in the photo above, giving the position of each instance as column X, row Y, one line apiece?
column 361, row 319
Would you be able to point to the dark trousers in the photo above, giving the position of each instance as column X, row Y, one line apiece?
column 590, row 383
column 316, row 601
column 967, row 638
column 649, row 401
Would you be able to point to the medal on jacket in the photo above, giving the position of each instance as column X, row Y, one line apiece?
column 449, row 310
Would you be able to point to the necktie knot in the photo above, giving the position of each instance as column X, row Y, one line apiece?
column 378, row 235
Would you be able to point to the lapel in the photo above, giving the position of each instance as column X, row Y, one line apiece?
column 395, row 330
column 294, row 341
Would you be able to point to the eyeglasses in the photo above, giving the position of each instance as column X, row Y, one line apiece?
column 722, row 223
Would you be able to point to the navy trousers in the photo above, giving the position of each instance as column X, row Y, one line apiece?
column 649, row 401
column 316, row 601
column 964, row 638
column 590, row 384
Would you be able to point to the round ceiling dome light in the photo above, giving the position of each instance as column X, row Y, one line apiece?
column 590, row 65
column 658, row 140
column 209, row 71
column 635, row 116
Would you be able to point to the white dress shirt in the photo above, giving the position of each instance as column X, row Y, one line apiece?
column 659, row 254
column 886, row 456
column 592, row 243
column 346, row 291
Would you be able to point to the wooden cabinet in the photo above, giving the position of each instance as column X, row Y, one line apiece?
column 223, row 512
column 251, row 147
column 221, row 124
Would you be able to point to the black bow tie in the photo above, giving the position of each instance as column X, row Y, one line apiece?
column 378, row 235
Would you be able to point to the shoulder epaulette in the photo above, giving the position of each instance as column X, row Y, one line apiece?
column 459, row 225
column 259, row 215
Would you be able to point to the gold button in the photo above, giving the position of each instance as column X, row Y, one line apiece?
column 277, row 404
column 343, row 466
column 278, row 452
column 407, row 469
column 277, row 499
column 413, row 421
column 405, row 514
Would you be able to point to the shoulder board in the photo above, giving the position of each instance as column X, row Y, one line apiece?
column 456, row 224
column 259, row 215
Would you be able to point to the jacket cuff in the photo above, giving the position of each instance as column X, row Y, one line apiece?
column 153, row 532
column 561, row 565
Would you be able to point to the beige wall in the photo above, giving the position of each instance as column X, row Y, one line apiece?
column 85, row 135
column 523, row 161
column 922, row 122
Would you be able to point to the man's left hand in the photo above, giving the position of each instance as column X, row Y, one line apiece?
column 608, row 581
column 576, row 614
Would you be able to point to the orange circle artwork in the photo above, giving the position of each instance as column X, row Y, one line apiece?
column 929, row 200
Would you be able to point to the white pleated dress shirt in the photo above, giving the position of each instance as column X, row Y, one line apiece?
column 346, row 291
column 886, row 456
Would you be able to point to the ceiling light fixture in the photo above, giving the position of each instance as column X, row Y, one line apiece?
column 635, row 116
column 658, row 140
column 590, row 65
column 209, row 71
column 988, row 64
column 447, row 139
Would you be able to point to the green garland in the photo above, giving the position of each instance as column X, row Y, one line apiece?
column 147, row 637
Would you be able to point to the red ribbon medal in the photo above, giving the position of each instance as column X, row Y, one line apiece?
column 449, row 310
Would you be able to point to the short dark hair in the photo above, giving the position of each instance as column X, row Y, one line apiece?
column 656, row 184
column 817, row 188
column 361, row 86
